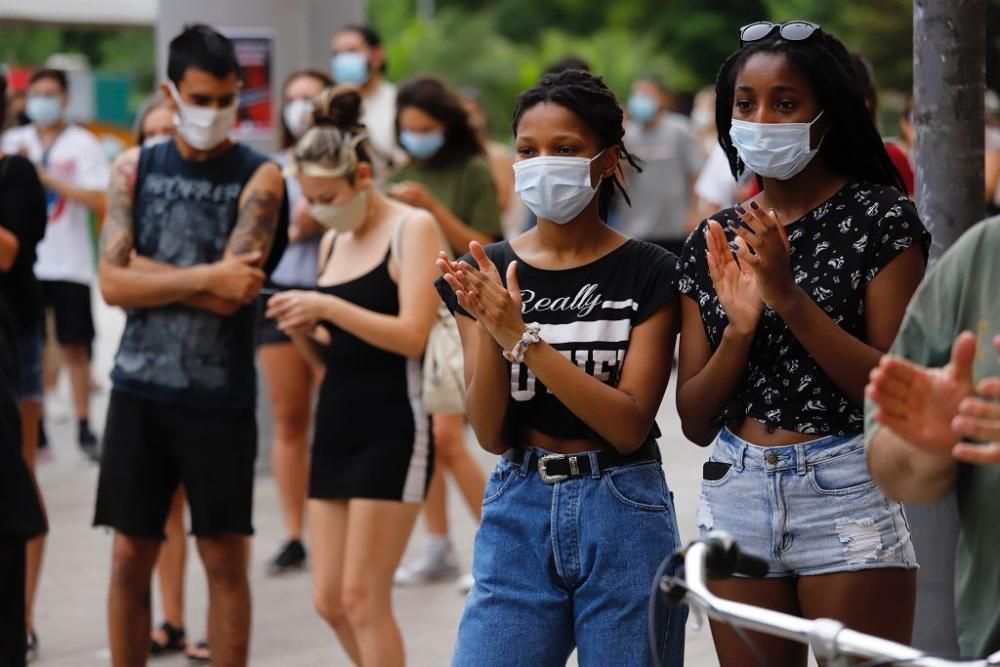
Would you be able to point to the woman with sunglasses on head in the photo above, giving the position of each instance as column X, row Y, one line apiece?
column 372, row 453
column 792, row 297
column 568, row 334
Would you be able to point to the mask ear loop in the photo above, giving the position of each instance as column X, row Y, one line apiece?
column 822, row 137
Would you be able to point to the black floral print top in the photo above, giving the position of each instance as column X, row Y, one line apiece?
column 836, row 250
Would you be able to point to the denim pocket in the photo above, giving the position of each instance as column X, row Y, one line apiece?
column 843, row 475
column 499, row 480
column 641, row 487
column 722, row 480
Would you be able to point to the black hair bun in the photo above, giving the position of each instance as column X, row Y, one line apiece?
column 340, row 107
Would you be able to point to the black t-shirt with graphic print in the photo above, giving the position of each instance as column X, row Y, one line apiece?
column 587, row 314
column 836, row 250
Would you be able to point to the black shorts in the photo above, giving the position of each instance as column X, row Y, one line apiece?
column 150, row 447
column 71, row 305
column 267, row 331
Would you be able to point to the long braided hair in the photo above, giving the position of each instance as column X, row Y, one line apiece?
column 853, row 146
column 587, row 96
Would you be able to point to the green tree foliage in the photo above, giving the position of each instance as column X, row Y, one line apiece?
column 501, row 46
column 125, row 51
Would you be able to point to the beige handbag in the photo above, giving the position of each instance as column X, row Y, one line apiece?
column 443, row 390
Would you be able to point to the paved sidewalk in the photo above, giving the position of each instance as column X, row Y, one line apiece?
column 71, row 616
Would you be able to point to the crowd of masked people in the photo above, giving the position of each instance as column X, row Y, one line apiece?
column 397, row 276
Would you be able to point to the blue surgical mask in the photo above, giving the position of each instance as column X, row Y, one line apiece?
column 421, row 145
column 642, row 108
column 44, row 110
column 350, row 67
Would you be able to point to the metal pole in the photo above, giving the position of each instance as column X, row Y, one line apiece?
column 949, row 48
column 949, row 72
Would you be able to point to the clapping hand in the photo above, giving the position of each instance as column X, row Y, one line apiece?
column 482, row 294
column 763, row 246
column 922, row 404
column 734, row 283
column 979, row 419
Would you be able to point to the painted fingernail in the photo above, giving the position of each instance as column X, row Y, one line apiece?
column 754, row 206
column 741, row 210
column 734, row 247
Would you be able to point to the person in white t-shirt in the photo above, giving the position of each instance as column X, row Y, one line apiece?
column 359, row 59
column 73, row 168
column 716, row 188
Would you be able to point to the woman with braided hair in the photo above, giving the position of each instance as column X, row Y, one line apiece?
column 372, row 454
column 568, row 333
column 789, row 301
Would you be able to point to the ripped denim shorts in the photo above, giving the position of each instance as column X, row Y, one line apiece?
column 806, row 509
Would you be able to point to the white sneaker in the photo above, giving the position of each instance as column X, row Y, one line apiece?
column 465, row 583
column 437, row 564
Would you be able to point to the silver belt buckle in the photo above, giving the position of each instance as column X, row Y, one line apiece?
column 543, row 471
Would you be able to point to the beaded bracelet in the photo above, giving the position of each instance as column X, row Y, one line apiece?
column 530, row 336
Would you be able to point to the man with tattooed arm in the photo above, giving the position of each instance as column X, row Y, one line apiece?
column 190, row 227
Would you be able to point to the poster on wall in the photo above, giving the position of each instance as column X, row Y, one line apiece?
column 255, row 54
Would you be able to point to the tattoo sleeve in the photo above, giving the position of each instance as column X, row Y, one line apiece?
column 117, row 238
column 256, row 224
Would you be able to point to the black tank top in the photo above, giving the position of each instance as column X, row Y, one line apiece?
column 374, row 291
column 184, row 212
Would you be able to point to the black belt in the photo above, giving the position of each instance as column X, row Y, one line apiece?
column 554, row 468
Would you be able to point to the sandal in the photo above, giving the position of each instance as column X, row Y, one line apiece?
column 199, row 653
column 174, row 644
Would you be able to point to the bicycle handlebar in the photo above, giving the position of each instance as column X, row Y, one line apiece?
column 719, row 556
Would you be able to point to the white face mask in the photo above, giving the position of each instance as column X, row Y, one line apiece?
column 774, row 150
column 201, row 127
column 342, row 217
column 555, row 188
column 298, row 116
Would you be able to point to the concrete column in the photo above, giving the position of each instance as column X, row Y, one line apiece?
column 948, row 74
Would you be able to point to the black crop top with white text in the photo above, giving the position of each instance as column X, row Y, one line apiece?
column 837, row 249
column 586, row 313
